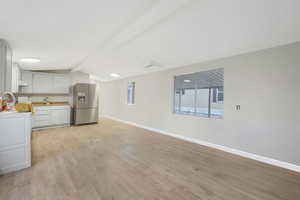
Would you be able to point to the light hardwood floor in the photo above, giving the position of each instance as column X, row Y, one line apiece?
column 115, row 161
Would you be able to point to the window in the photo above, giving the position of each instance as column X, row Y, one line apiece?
column 130, row 93
column 200, row 94
column 218, row 95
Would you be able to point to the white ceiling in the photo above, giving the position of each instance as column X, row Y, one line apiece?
column 102, row 37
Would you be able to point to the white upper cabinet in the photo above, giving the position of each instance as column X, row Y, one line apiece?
column 26, row 82
column 15, row 78
column 5, row 67
column 8, row 85
column 45, row 83
column 42, row 83
column 61, row 83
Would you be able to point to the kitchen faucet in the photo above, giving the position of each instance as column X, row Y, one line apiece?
column 46, row 99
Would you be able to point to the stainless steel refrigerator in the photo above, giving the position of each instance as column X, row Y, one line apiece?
column 85, row 103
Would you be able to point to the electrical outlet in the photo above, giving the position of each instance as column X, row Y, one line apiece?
column 238, row 107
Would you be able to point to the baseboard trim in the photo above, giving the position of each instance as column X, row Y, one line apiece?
column 48, row 127
column 252, row 156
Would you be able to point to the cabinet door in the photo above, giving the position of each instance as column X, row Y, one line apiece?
column 41, row 121
column 15, row 78
column 61, row 83
column 5, row 67
column 8, row 86
column 2, row 67
column 12, row 132
column 41, row 117
column 26, row 77
column 60, row 116
column 42, row 83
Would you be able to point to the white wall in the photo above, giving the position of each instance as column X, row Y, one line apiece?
column 79, row 77
column 266, row 84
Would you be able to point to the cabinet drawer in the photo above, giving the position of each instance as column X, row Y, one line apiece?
column 37, row 123
column 41, row 120
column 41, row 117
column 41, row 112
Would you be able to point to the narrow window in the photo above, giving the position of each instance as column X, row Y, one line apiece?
column 200, row 94
column 130, row 93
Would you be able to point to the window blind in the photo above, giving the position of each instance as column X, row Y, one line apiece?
column 206, row 79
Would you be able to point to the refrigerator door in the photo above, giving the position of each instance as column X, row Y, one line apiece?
column 84, row 116
column 81, row 92
column 93, row 99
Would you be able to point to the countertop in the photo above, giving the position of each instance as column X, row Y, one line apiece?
column 6, row 114
column 42, row 104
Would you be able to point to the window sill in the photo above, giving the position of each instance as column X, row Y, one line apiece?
column 198, row 115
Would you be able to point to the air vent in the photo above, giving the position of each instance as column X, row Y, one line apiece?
column 152, row 64
column 149, row 66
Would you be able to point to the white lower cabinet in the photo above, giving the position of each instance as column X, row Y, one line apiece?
column 15, row 146
column 60, row 116
column 49, row 116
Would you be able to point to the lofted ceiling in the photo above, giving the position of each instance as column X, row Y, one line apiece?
column 102, row 37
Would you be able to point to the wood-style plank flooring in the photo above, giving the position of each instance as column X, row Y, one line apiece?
column 115, row 161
